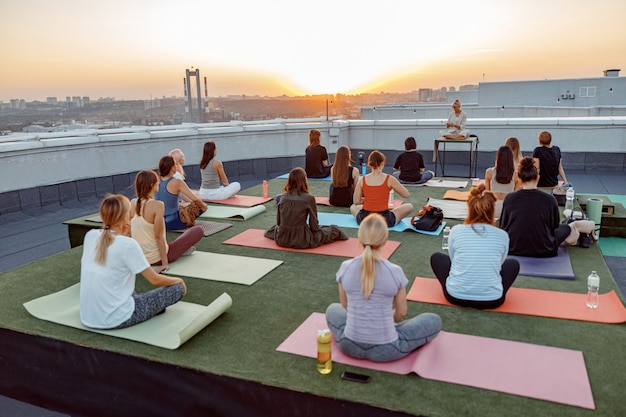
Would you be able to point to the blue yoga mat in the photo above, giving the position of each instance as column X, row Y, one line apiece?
column 348, row 221
column 559, row 266
column 285, row 176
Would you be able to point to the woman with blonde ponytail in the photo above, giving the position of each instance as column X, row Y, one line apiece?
column 477, row 272
column 110, row 261
column 367, row 323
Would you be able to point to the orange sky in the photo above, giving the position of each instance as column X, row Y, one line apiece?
column 141, row 48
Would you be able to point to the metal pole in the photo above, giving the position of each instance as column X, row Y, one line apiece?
column 199, row 96
column 189, row 104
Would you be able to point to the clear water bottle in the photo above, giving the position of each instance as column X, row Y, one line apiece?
column 593, row 286
column 569, row 199
column 324, row 359
column 391, row 198
column 446, row 238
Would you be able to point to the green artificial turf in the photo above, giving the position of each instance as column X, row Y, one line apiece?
column 242, row 342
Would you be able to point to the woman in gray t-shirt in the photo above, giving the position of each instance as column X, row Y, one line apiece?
column 367, row 323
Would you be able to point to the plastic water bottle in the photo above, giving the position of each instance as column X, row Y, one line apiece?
column 446, row 237
column 324, row 360
column 569, row 199
column 593, row 286
column 265, row 189
column 391, row 199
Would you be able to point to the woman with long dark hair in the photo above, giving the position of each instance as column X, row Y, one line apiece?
column 215, row 184
column 344, row 178
column 500, row 179
column 296, row 218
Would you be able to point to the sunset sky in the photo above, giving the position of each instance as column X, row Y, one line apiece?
column 137, row 49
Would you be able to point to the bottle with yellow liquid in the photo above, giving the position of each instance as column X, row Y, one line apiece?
column 324, row 360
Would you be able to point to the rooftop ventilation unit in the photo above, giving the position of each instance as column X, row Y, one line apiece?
column 611, row 73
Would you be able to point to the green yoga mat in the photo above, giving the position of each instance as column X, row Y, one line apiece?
column 169, row 330
column 224, row 268
column 232, row 212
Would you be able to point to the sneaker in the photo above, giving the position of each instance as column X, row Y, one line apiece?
column 189, row 251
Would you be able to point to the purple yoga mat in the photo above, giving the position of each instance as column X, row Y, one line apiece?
column 559, row 266
column 534, row 371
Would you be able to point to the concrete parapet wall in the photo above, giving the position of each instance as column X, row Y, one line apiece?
column 47, row 162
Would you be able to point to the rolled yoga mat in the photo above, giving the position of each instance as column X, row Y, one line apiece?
column 594, row 212
column 179, row 323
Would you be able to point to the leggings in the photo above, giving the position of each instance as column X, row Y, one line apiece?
column 150, row 303
column 441, row 263
column 184, row 242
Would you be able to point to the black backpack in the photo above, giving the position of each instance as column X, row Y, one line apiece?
column 428, row 219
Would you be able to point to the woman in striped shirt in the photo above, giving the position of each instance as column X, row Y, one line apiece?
column 477, row 273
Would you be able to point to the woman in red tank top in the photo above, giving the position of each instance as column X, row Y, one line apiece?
column 371, row 194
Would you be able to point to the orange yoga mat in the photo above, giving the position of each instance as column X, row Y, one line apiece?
column 239, row 200
column 456, row 195
column 533, row 302
column 349, row 248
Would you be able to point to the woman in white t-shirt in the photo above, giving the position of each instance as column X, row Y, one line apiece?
column 109, row 263
column 367, row 323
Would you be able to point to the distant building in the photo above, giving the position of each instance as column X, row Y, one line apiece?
column 573, row 97
column 153, row 103
column 18, row 104
column 609, row 90
column 51, row 100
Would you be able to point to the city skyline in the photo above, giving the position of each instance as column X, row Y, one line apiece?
column 141, row 49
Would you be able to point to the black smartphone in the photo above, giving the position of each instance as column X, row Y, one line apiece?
column 351, row 376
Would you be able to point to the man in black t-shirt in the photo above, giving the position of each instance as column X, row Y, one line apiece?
column 548, row 160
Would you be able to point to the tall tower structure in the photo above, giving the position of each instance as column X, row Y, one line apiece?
column 188, row 96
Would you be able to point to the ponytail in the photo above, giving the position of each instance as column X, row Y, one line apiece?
column 113, row 211
column 372, row 235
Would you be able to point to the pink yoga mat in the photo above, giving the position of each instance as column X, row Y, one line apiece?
column 323, row 201
column 532, row 302
column 239, row 200
column 349, row 248
column 534, row 371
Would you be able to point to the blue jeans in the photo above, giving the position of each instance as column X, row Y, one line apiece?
column 173, row 222
column 426, row 175
column 412, row 333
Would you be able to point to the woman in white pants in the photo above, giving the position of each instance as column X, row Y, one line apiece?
column 212, row 172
